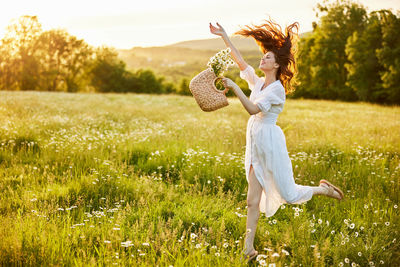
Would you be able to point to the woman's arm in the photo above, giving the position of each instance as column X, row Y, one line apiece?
column 247, row 104
column 234, row 52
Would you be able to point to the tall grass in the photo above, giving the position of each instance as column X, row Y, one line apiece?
column 143, row 180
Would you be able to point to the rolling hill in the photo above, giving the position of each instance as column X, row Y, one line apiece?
column 187, row 58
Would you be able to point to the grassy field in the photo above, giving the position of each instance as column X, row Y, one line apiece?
column 147, row 180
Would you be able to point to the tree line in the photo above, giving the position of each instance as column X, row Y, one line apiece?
column 54, row 60
column 350, row 55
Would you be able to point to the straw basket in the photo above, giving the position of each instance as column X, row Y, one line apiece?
column 208, row 97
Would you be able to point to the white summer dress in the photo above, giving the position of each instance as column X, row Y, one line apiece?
column 266, row 147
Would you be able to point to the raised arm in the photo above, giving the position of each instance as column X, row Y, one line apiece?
column 234, row 52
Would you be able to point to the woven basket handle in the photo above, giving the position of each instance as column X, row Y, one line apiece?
column 216, row 89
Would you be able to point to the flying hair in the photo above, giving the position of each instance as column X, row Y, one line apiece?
column 270, row 37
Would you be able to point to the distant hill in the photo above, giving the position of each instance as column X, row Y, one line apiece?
column 185, row 59
column 241, row 43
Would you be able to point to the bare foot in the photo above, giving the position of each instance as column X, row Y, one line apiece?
column 248, row 256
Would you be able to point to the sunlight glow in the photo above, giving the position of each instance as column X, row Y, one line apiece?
column 124, row 24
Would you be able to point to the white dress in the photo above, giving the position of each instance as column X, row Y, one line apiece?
column 266, row 147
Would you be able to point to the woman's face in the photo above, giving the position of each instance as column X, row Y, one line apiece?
column 268, row 62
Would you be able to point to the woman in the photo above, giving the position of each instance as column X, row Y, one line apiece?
column 268, row 167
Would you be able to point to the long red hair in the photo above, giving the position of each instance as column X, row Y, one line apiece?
column 269, row 37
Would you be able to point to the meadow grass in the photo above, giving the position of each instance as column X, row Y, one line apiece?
column 145, row 180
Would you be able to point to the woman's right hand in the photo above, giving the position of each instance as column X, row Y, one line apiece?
column 217, row 31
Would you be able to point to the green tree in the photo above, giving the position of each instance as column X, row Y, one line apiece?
column 20, row 45
column 324, row 74
column 389, row 57
column 8, row 73
column 148, row 82
column 108, row 72
column 304, row 63
column 169, row 87
column 52, row 53
column 364, row 68
column 78, row 60
column 183, row 87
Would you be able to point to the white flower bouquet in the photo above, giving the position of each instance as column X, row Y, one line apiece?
column 221, row 61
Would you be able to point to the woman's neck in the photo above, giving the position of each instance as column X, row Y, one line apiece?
column 269, row 78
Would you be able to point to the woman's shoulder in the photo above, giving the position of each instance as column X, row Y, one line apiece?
column 278, row 86
column 278, row 90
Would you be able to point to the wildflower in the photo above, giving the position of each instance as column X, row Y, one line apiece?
column 225, row 245
column 285, row 251
column 217, row 254
column 193, row 235
column 359, row 254
column 126, row 244
column 274, row 221
column 239, row 215
column 352, row 226
column 260, row 257
column 387, row 223
column 275, row 255
column 346, row 260
column 146, row 244
column 107, row 241
column 198, row 245
column 319, row 221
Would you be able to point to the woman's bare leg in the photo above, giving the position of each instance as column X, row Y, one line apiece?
column 322, row 190
column 319, row 190
column 253, row 212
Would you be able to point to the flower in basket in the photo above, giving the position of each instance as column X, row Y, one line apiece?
column 220, row 63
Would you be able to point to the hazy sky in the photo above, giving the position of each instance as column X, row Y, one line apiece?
column 125, row 24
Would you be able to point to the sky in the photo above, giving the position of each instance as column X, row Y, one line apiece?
column 125, row 24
